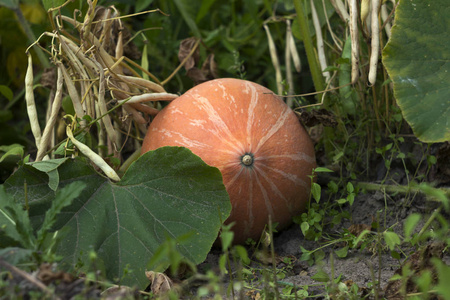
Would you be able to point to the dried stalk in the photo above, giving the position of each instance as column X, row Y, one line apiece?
column 143, row 83
column 319, row 40
column 31, row 105
column 336, row 41
column 56, row 106
column 384, row 18
column 87, row 105
column 112, row 135
column 150, row 97
column 194, row 48
column 145, row 109
column 293, row 50
column 134, row 114
column 101, row 134
column 153, row 77
column 94, row 157
column 287, row 58
column 119, row 45
column 86, row 70
column 274, row 58
column 354, row 35
column 375, row 42
column 365, row 11
column 341, row 10
column 73, row 93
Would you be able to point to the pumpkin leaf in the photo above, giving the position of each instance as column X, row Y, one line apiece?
column 417, row 58
column 166, row 193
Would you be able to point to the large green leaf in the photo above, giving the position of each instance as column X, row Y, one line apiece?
column 169, row 192
column 417, row 58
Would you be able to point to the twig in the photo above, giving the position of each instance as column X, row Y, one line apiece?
column 153, row 77
column 182, row 63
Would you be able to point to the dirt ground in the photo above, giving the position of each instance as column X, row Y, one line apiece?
column 360, row 267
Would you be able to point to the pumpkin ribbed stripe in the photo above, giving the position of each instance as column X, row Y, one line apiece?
column 274, row 128
column 224, row 120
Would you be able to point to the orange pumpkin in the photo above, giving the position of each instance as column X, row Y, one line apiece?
column 254, row 139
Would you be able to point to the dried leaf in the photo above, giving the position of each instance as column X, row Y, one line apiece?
column 196, row 75
column 186, row 46
column 160, row 282
column 209, row 67
column 357, row 229
column 110, row 31
column 47, row 274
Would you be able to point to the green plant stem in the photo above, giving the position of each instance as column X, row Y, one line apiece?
column 397, row 188
column 31, row 37
column 274, row 265
column 428, row 223
column 316, row 72
column 136, row 154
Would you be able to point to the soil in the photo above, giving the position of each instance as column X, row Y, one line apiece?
column 363, row 267
column 360, row 267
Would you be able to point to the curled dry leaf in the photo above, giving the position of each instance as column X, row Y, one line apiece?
column 357, row 229
column 160, row 282
column 120, row 292
column 209, row 67
column 110, row 31
column 186, row 46
column 48, row 274
column 208, row 70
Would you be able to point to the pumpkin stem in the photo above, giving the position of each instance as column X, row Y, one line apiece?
column 247, row 159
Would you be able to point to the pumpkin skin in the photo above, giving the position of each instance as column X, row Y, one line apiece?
column 254, row 139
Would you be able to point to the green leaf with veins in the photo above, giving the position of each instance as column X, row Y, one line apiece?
column 169, row 192
column 417, row 58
